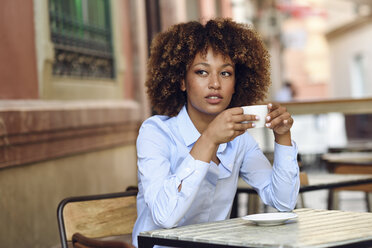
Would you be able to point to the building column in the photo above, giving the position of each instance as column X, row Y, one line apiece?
column 142, row 43
column 172, row 12
column 207, row 10
column 226, row 8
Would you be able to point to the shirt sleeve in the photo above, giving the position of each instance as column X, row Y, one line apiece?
column 160, row 186
column 277, row 185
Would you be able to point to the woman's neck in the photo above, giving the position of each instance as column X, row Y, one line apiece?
column 201, row 121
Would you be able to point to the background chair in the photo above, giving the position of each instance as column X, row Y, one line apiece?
column 304, row 180
column 90, row 218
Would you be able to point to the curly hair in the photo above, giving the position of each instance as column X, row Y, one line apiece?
column 174, row 50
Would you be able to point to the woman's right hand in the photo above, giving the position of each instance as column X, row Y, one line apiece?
column 228, row 125
column 225, row 127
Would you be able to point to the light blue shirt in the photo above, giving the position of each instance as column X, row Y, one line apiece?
column 208, row 190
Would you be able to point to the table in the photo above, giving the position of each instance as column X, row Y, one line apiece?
column 313, row 228
column 354, row 146
column 316, row 181
column 350, row 163
column 319, row 181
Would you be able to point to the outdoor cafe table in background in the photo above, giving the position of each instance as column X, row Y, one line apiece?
column 315, row 181
column 350, row 163
column 312, row 228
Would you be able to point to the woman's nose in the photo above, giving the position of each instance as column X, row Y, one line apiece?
column 214, row 82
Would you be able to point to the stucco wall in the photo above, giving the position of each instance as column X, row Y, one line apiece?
column 18, row 78
column 344, row 46
column 29, row 194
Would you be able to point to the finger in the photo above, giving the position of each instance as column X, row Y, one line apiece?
column 272, row 106
column 288, row 122
column 275, row 113
column 281, row 119
column 241, row 118
column 277, row 118
column 284, row 119
column 236, row 111
column 284, row 126
column 244, row 126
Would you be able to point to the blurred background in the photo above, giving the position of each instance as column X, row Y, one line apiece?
column 72, row 93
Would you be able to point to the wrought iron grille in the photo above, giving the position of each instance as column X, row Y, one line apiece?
column 81, row 33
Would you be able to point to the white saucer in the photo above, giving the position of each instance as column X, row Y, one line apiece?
column 270, row 219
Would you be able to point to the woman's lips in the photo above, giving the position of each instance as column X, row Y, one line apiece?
column 214, row 99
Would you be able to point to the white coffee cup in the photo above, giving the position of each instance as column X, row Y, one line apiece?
column 258, row 110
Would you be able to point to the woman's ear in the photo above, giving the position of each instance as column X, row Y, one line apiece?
column 183, row 85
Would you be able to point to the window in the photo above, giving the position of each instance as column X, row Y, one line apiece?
column 81, row 33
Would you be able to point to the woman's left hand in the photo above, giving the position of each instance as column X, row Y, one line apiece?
column 280, row 121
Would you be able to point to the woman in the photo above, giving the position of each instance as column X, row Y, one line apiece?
column 191, row 155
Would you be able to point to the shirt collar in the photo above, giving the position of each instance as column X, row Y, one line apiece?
column 187, row 129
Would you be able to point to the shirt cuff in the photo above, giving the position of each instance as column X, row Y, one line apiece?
column 190, row 173
column 287, row 155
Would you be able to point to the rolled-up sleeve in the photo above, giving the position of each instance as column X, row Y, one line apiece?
column 159, row 184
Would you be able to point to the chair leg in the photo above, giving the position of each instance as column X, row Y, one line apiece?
column 369, row 201
column 253, row 203
column 333, row 200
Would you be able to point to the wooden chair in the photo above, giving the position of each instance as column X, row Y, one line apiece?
column 80, row 241
column 84, row 220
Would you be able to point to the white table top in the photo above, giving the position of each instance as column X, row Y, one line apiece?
column 348, row 157
column 328, row 178
column 313, row 228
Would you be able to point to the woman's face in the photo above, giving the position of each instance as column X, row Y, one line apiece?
column 209, row 84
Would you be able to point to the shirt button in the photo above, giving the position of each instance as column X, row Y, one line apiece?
column 188, row 170
column 289, row 158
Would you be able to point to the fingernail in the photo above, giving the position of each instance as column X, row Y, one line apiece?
column 285, row 121
column 269, row 105
column 268, row 124
column 268, row 118
column 257, row 117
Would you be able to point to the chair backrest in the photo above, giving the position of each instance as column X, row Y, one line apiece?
column 97, row 216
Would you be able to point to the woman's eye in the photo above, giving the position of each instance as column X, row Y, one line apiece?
column 226, row 73
column 201, row 72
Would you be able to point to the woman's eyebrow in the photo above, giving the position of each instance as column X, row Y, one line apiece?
column 202, row 63
column 228, row 64
column 206, row 64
